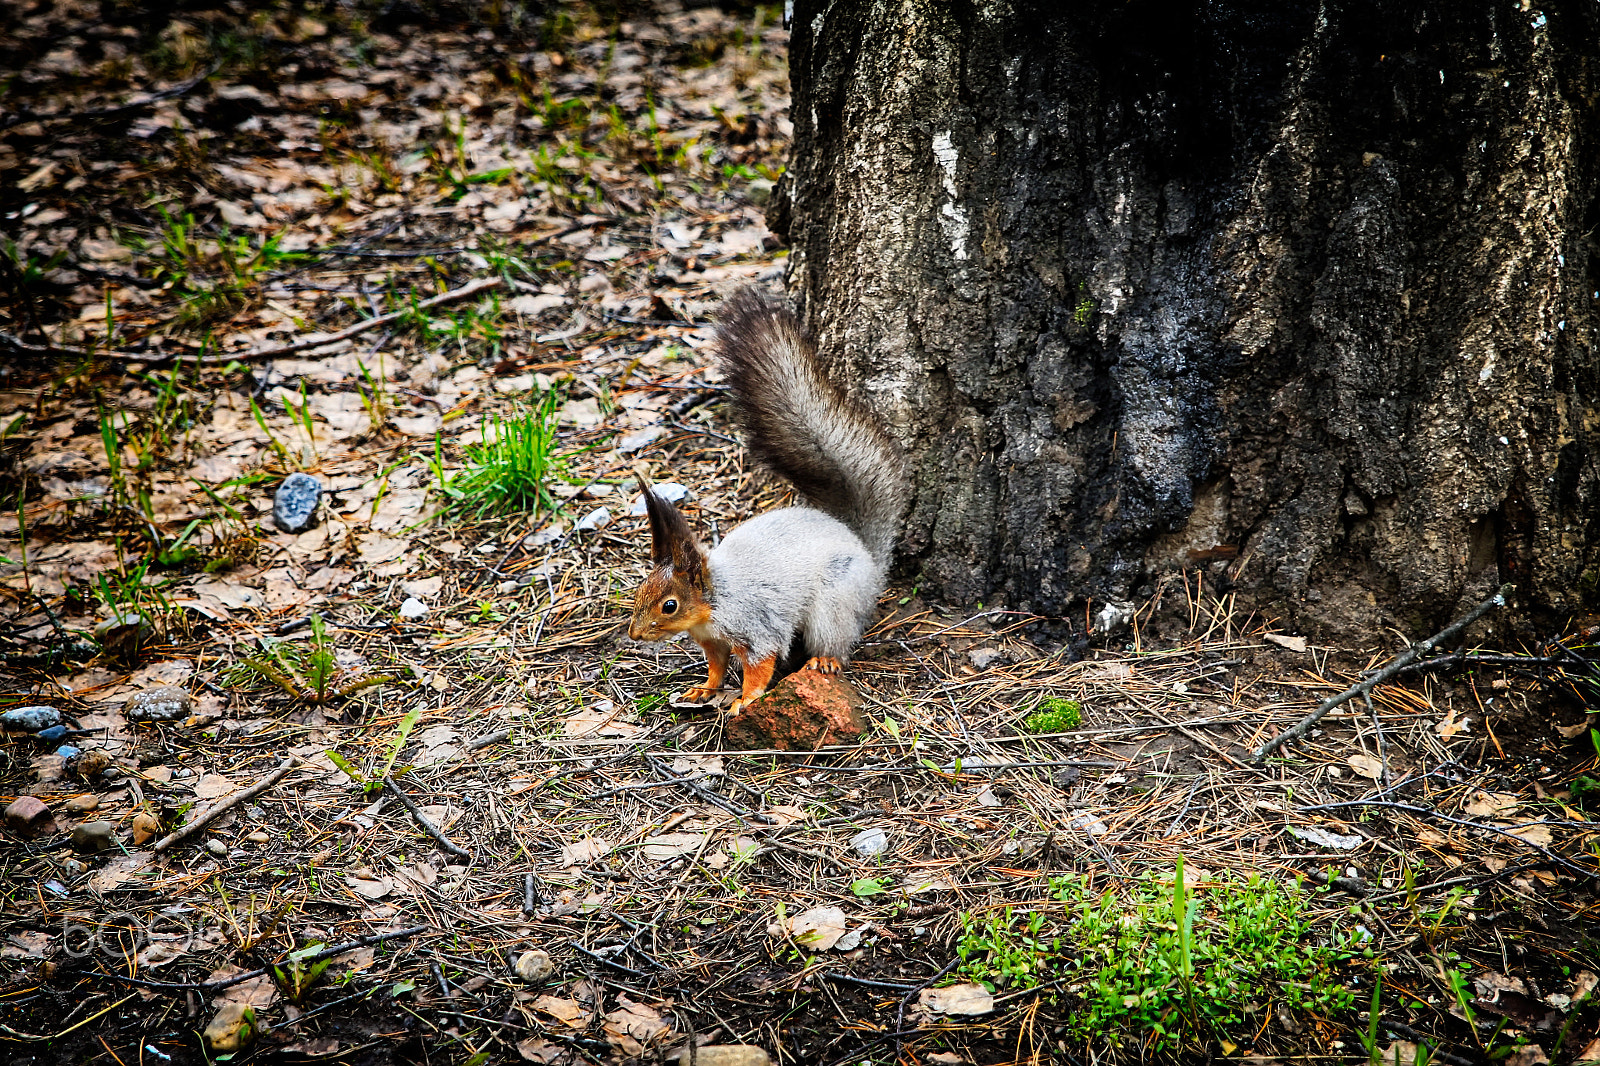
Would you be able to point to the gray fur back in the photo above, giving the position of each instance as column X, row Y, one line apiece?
column 794, row 570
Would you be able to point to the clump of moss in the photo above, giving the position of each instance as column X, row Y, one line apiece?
column 1055, row 715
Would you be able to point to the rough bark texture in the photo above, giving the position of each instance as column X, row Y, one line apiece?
column 1306, row 293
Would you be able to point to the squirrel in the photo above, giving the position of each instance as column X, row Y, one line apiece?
column 797, row 581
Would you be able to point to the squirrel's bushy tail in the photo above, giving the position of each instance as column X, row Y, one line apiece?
column 835, row 452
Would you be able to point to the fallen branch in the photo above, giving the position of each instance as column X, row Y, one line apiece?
column 472, row 288
column 227, row 803
column 1399, row 663
column 428, row 827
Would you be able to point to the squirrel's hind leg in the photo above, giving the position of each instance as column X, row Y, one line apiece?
column 824, row 664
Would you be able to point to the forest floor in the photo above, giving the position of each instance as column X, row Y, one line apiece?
column 244, row 241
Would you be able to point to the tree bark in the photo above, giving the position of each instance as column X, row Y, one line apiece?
column 1301, row 293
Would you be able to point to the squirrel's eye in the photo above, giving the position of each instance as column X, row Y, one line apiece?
column 669, row 606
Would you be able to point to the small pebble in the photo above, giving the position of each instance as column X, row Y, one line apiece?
column 30, row 719
column 217, row 848
column 413, row 609
column 146, row 827
column 73, row 867
column 670, row 491
column 870, row 842
column 50, row 768
column 535, row 967
column 595, row 519
column 160, row 704
column 82, row 804
column 29, row 817
column 258, row 837
column 87, row 764
column 92, row 836
column 69, row 751
column 295, row 506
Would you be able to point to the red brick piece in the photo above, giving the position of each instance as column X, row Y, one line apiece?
column 802, row 712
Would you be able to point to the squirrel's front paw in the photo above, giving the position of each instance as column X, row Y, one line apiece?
column 699, row 694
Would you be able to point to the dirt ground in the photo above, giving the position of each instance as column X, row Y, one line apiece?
column 243, row 242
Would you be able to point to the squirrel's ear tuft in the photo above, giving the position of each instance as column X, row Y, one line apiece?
column 672, row 542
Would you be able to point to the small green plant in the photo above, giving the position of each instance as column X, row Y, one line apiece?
column 308, row 672
column 1055, row 715
column 300, row 971
column 511, row 469
column 870, row 886
column 1003, row 950
column 372, row 782
column 1084, row 312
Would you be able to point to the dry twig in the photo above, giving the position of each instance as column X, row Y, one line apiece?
column 1302, row 727
column 227, row 803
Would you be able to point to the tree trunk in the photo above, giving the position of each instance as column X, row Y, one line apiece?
column 1305, row 294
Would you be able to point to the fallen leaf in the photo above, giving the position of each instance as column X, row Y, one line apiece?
column 370, row 888
column 214, row 786
column 1292, row 643
column 443, row 815
column 1533, row 834
column 698, row 765
column 819, row 928
column 537, row 1049
column 1366, row 765
column 1491, row 804
column 586, row 850
column 601, row 720
column 569, row 1011
column 1326, row 838
column 634, row 1026
column 671, row 845
column 967, row 998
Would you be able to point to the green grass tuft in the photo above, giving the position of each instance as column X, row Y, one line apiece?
column 1165, row 965
column 513, row 467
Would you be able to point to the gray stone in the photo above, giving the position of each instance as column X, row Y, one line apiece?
column 870, row 842
column 295, row 506
column 30, row 719
column 93, row 836
column 160, row 704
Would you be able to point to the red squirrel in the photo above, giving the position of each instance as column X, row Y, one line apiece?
column 804, row 577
